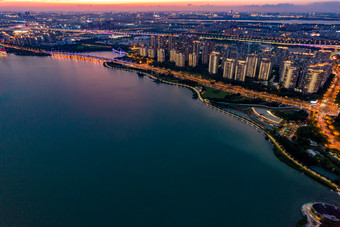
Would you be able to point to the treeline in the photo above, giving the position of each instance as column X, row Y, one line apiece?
column 306, row 133
column 167, row 77
column 238, row 99
column 295, row 150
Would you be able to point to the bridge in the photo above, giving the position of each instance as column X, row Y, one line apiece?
column 275, row 41
column 79, row 56
column 87, row 57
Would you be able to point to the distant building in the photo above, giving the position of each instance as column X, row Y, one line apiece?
column 171, row 42
column 173, row 55
column 240, row 70
column 214, row 60
column 153, row 42
column 144, row 51
column 151, row 53
column 265, row 69
column 228, row 68
column 161, row 55
column 312, row 81
column 161, row 42
column 251, row 61
column 193, row 60
column 180, row 60
column 280, row 55
column 289, row 75
column 196, row 45
column 207, row 48
column 326, row 68
column 285, row 66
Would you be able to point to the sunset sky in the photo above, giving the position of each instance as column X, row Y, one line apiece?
column 140, row 5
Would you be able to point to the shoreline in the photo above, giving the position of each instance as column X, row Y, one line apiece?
column 278, row 150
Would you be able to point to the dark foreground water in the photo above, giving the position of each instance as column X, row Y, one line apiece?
column 83, row 145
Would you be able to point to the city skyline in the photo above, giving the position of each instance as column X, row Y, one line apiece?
column 176, row 5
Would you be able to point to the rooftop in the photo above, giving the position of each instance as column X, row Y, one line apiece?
column 267, row 114
column 328, row 211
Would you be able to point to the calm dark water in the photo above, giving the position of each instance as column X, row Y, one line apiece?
column 82, row 145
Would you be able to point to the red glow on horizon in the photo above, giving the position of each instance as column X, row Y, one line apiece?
column 138, row 5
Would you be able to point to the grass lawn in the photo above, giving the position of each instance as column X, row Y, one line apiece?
column 213, row 93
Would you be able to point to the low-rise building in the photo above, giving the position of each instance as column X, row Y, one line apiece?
column 266, row 116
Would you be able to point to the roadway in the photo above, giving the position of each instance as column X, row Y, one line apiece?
column 328, row 107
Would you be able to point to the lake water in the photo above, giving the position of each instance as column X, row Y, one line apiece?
column 83, row 145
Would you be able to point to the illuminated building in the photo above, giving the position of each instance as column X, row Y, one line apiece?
column 173, row 55
column 153, row 42
column 180, row 60
column 266, row 116
column 161, row 55
column 251, row 65
column 144, row 51
column 312, row 81
column 289, row 75
column 265, row 69
column 240, row 70
column 151, row 53
column 196, row 48
column 214, row 60
column 161, row 42
column 193, row 60
column 228, row 68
